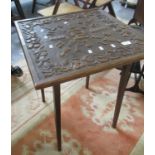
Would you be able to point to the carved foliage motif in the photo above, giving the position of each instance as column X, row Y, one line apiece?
column 61, row 44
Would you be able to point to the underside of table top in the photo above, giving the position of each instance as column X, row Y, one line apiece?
column 65, row 47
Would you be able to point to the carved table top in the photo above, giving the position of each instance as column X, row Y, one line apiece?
column 64, row 47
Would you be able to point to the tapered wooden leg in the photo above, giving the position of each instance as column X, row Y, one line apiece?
column 122, row 86
column 57, row 105
column 87, row 82
column 43, row 95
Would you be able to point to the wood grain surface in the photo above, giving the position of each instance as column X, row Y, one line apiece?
column 65, row 47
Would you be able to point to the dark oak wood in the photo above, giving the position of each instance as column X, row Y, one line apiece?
column 87, row 82
column 62, row 62
column 33, row 5
column 57, row 105
column 136, row 88
column 58, row 49
column 125, row 75
column 57, row 4
column 19, row 8
column 107, row 4
column 43, row 95
column 111, row 9
column 139, row 13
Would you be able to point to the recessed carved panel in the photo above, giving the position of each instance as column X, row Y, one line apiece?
column 66, row 43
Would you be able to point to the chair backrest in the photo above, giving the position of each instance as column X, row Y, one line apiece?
column 87, row 3
column 80, row 3
column 83, row 3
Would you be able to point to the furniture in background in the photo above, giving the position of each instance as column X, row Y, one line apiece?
column 139, row 74
column 66, row 7
column 61, row 49
column 16, row 71
column 138, row 18
column 103, row 4
column 131, row 3
column 139, row 13
column 60, row 8
column 44, row 4
column 19, row 9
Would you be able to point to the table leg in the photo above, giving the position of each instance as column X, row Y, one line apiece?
column 122, row 86
column 57, row 105
column 43, row 95
column 87, row 82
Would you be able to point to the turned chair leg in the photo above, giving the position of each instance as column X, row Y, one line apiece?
column 43, row 95
column 87, row 82
column 122, row 87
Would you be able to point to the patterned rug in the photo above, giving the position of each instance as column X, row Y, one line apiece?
column 27, row 103
column 86, row 118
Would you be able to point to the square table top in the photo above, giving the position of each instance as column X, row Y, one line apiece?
column 65, row 47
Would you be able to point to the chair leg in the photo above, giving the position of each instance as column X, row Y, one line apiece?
column 34, row 5
column 51, row 2
column 126, row 72
column 43, row 95
column 76, row 3
column 136, row 88
column 57, row 4
column 111, row 10
column 133, row 20
column 93, row 4
column 87, row 82
column 12, row 21
column 19, row 8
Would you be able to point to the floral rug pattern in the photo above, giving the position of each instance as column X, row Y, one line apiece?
column 86, row 124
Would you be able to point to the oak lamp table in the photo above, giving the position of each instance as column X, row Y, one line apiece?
column 61, row 48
